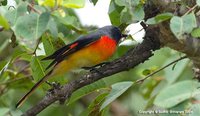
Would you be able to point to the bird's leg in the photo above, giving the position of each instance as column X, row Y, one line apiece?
column 99, row 72
column 101, row 64
column 95, row 66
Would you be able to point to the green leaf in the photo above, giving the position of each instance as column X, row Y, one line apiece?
column 131, row 13
column 184, row 24
column 52, row 27
column 159, row 18
column 48, row 44
column 138, row 13
column 195, row 110
column 172, row 75
column 189, row 22
column 146, row 72
column 117, row 90
column 121, row 2
column 127, row 2
column 13, row 15
column 3, row 2
column 50, row 3
column 38, row 70
column 73, row 3
column 94, row 1
column 198, row 2
column 94, row 107
column 177, row 93
column 4, row 111
column 196, row 32
column 22, row 52
column 65, row 3
column 4, row 68
column 114, row 13
column 69, row 21
column 31, row 26
column 4, row 22
column 16, row 112
column 97, row 101
column 126, row 16
column 3, row 45
column 86, row 90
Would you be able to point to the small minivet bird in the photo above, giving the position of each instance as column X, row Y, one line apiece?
column 86, row 51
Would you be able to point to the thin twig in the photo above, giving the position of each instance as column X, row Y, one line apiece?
column 148, row 76
column 191, row 9
column 35, row 10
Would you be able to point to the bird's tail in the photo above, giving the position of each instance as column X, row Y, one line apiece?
column 23, row 99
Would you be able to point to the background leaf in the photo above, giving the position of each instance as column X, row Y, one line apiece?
column 94, row 1
column 38, row 70
column 86, row 90
column 52, row 27
column 117, row 90
column 168, row 98
column 4, row 22
column 114, row 13
column 196, row 32
column 13, row 15
column 194, row 110
column 69, row 21
column 198, row 2
column 184, row 24
column 3, row 2
column 94, row 107
column 31, row 26
column 171, row 75
column 48, row 44
column 73, row 3
column 4, row 68
column 159, row 18
column 4, row 111
column 65, row 3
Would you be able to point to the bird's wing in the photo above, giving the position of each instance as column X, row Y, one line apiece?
column 62, row 53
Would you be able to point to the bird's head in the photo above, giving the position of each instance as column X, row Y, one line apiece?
column 113, row 32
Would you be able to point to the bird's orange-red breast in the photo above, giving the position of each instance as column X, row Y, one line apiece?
column 86, row 51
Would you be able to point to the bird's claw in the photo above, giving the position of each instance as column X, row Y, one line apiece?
column 95, row 66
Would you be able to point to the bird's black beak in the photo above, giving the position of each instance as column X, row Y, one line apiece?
column 124, row 35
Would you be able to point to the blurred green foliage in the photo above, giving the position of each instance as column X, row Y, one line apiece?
column 49, row 24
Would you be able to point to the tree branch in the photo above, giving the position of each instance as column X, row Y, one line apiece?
column 132, row 58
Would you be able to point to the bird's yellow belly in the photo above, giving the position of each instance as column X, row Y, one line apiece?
column 86, row 57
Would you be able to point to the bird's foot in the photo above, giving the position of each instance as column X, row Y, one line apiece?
column 95, row 66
